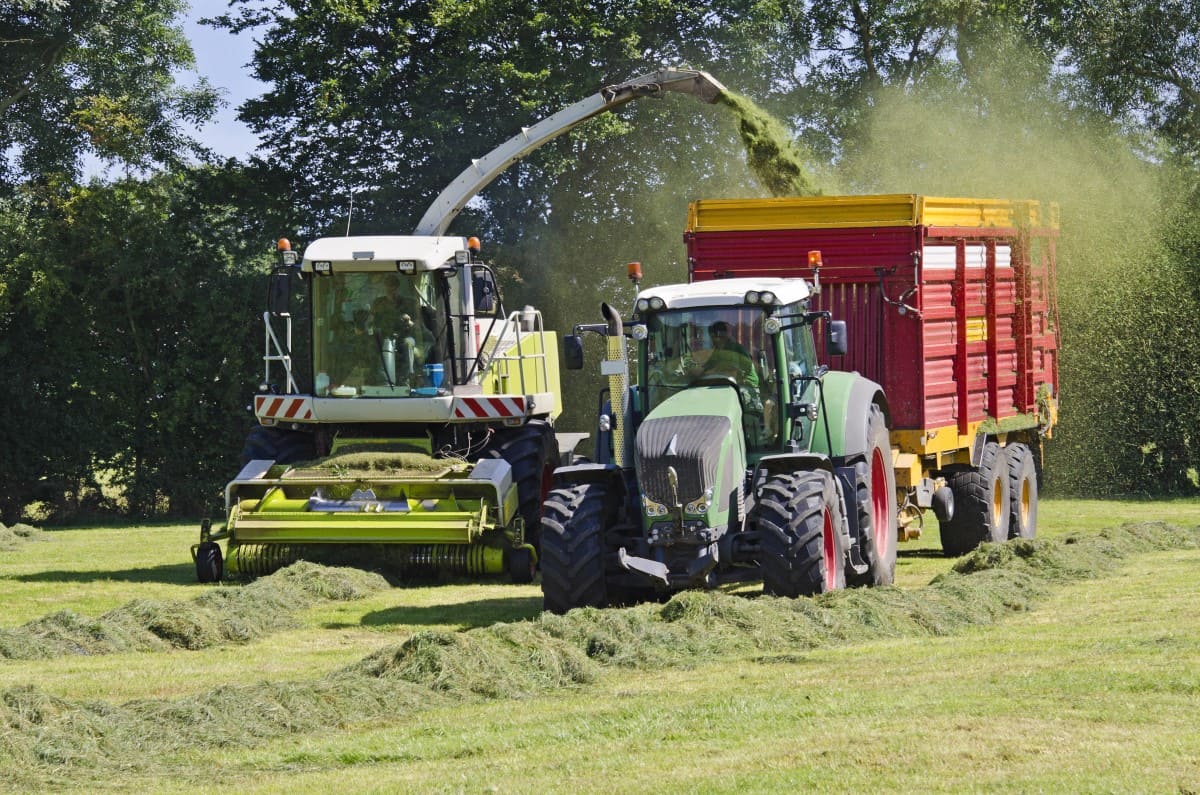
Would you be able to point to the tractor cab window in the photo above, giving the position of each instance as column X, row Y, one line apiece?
column 374, row 333
column 710, row 345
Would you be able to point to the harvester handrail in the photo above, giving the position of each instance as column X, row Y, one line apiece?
column 281, row 353
column 513, row 325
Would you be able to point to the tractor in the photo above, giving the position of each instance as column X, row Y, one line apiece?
column 735, row 455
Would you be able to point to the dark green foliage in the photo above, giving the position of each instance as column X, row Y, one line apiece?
column 127, row 331
column 93, row 76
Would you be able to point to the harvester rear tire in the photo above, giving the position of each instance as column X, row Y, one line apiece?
column 798, row 515
column 875, row 501
column 981, row 503
column 209, row 565
column 532, row 452
column 1022, row 491
column 573, row 547
column 277, row 444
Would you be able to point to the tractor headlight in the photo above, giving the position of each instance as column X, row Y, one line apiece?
column 657, row 303
column 701, row 505
column 772, row 325
column 753, row 297
column 640, row 332
column 643, row 304
column 767, row 297
column 653, row 508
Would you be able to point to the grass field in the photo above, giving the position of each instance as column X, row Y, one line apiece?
column 1018, row 674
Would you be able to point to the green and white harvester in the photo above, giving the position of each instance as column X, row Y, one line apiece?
column 415, row 431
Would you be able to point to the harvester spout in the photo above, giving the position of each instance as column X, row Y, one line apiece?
column 481, row 172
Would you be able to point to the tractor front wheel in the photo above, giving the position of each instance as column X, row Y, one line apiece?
column 798, row 515
column 573, row 548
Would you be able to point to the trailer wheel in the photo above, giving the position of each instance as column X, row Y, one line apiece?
column 573, row 547
column 531, row 451
column 1022, row 491
column 797, row 516
column 981, row 503
column 277, row 444
column 875, row 501
column 209, row 566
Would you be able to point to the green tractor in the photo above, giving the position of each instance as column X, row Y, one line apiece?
column 735, row 456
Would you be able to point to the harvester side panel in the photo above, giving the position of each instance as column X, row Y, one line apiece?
column 948, row 302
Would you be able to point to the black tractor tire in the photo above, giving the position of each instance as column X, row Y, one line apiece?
column 521, row 565
column 1022, row 491
column 798, row 515
column 981, row 503
column 573, row 548
column 279, row 445
column 209, row 565
column 875, row 502
column 532, row 452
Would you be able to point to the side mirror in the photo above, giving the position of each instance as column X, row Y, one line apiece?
column 485, row 293
column 573, row 352
column 279, row 293
column 835, row 338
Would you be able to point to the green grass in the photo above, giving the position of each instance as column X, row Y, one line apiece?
column 1015, row 675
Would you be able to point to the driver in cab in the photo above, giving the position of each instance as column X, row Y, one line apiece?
column 727, row 357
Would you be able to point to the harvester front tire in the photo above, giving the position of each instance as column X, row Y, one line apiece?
column 875, row 501
column 209, row 565
column 531, row 451
column 798, row 516
column 981, row 503
column 573, row 547
column 1022, row 491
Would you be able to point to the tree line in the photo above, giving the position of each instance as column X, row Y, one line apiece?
column 129, row 305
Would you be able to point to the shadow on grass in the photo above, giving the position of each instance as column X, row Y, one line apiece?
column 469, row 615
column 173, row 574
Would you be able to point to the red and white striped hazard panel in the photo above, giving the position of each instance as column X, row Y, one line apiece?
column 486, row 408
column 282, row 407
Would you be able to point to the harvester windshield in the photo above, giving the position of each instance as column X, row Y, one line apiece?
column 380, row 334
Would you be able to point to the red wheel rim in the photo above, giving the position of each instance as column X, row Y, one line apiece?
column 881, row 523
column 830, row 551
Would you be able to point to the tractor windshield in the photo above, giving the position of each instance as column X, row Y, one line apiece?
column 715, row 345
column 378, row 334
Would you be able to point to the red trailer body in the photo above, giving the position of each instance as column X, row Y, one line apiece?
column 949, row 303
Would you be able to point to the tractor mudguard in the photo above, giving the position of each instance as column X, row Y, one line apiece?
column 846, row 400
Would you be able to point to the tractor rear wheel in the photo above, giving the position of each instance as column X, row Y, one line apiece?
column 573, row 548
column 532, row 452
column 875, row 501
column 981, row 503
column 209, row 566
column 798, row 516
column 1022, row 491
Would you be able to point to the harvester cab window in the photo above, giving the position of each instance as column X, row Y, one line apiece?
column 373, row 333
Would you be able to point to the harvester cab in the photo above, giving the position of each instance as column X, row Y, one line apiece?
column 733, row 455
column 417, row 433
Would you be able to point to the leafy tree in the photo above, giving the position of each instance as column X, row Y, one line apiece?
column 127, row 326
column 93, row 76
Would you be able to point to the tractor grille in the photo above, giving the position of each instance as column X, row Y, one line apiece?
column 692, row 445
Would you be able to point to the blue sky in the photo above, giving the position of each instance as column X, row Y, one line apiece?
column 224, row 59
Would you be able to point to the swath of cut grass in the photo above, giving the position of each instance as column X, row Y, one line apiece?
column 227, row 614
column 18, row 534
column 43, row 737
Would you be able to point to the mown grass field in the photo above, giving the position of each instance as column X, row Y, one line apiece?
column 1062, row 667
